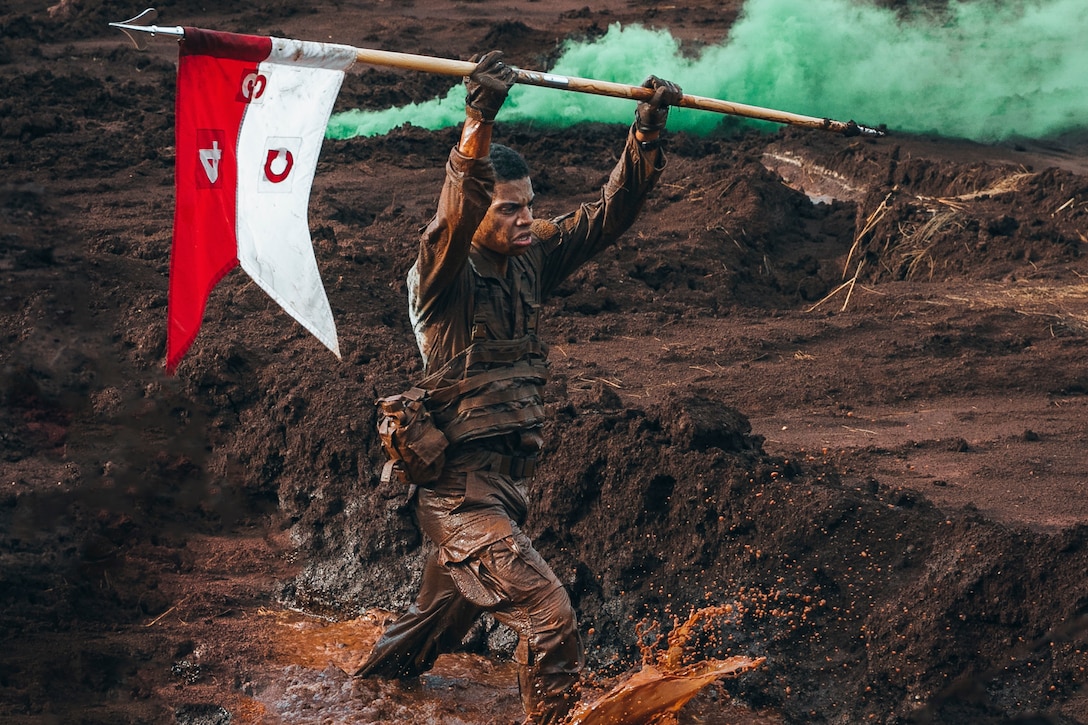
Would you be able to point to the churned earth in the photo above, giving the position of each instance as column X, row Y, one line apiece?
column 830, row 392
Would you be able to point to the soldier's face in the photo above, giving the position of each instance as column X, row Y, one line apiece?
column 505, row 228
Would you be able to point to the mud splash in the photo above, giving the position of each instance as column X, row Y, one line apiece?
column 664, row 684
column 650, row 695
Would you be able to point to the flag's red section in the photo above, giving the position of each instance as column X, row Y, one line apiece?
column 211, row 101
column 233, row 46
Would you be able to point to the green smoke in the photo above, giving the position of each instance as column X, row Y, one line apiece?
column 984, row 70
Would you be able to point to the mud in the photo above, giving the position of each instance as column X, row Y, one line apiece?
column 837, row 385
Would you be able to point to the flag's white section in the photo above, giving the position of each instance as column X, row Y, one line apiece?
column 312, row 55
column 278, row 146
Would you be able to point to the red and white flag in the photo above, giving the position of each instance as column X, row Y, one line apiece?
column 251, row 116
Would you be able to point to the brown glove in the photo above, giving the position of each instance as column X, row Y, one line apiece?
column 651, row 115
column 487, row 86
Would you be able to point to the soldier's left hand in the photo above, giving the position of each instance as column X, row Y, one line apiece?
column 651, row 115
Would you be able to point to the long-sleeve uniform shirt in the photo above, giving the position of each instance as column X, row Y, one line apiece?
column 454, row 288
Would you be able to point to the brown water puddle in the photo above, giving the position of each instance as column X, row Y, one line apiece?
column 315, row 643
column 315, row 656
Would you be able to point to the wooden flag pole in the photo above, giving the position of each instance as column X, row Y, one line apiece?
column 446, row 66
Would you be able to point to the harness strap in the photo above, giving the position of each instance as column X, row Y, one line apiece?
column 502, row 351
column 513, row 466
column 479, row 327
column 460, row 429
column 494, row 397
column 485, row 351
column 416, row 393
column 441, row 396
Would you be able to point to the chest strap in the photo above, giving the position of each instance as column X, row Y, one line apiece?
column 442, row 396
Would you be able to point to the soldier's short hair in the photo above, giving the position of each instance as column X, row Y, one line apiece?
column 509, row 164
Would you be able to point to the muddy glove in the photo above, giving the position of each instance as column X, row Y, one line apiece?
column 651, row 115
column 487, row 86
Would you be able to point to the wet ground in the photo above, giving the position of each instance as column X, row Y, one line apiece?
column 858, row 422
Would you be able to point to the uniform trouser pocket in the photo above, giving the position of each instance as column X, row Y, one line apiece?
column 507, row 572
column 511, row 580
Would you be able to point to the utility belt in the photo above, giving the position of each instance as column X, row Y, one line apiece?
column 513, row 466
column 512, row 454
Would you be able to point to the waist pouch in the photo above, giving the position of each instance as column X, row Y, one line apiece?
column 414, row 445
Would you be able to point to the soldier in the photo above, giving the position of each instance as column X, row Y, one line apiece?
column 474, row 293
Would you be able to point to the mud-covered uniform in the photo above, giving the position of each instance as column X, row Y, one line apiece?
column 477, row 332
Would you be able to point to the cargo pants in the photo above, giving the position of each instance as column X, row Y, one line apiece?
column 484, row 562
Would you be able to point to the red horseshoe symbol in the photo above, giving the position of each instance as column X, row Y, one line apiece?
column 253, row 86
column 288, row 161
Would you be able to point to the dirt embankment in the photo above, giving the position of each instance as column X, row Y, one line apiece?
column 859, row 422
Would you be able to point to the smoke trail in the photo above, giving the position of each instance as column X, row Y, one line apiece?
column 984, row 70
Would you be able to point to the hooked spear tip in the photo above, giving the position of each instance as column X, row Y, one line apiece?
column 138, row 28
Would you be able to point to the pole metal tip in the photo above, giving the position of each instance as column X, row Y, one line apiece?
column 855, row 129
column 139, row 29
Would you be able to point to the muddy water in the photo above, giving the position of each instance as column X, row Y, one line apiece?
column 306, row 679
column 309, row 682
column 651, row 693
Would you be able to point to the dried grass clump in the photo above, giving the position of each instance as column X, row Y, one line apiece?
column 917, row 245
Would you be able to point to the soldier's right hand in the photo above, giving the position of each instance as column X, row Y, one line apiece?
column 486, row 87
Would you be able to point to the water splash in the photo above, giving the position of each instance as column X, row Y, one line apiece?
column 985, row 70
column 671, row 675
column 650, row 694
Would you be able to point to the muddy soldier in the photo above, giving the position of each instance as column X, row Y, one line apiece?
column 484, row 267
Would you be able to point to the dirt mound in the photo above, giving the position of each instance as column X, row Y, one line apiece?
column 834, row 385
